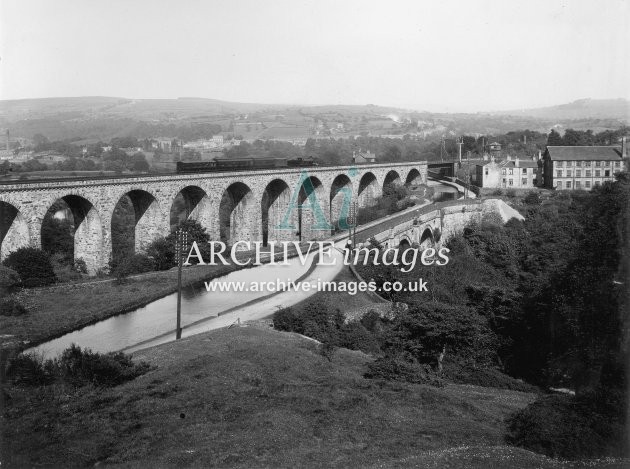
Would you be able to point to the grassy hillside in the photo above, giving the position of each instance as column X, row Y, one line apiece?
column 580, row 109
column 248, row 397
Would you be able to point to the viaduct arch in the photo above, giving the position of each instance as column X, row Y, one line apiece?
column 244, row 205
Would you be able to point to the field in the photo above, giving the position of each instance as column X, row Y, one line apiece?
column 249, row 396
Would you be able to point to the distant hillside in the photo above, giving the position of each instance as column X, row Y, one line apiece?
column 141, row 109
column 103, row 118
column 577, row 110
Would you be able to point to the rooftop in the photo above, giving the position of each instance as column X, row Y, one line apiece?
column 583, row 153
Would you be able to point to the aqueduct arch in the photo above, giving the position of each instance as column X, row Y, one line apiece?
column 137, row 220
column 84, row 227
column 413, row 177
column 392, row 180
column 426, row 239
column 368, row 190
column 313, row 195
column 14, row 232
column 340, row 201
column 274, row 204
column 190, row 203
column 234, row 223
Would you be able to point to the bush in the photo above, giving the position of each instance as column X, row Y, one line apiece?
column 498, row 192
column 286, row 320
column 30, row 370
column 80, row 367
column 532, row 198
column 11, row 307
column 32, row 265
column 402, row 367
column 563, row 426
column 511, row 193
column 75, row 367
column 162, row 251
column 9, row 280
column 355, row 336
column 136, row 264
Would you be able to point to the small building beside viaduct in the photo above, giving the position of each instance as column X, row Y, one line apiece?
column 232, row 206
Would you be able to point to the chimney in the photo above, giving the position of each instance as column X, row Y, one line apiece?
column 509, row 158
column 516, row 162
column 624, row 146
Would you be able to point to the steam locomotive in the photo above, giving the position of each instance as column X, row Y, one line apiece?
column 242, row 164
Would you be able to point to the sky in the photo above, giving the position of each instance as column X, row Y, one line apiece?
column 442, row 56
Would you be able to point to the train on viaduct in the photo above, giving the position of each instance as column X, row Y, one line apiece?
column 240, row 205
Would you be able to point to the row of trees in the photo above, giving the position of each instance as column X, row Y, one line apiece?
column 573, row 137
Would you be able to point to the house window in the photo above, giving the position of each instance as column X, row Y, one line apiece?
column 559, row 173
column 503, row 172
column 607, row 163
column 616, row 164
column 524, row 182
column 568, row 173
column 511, row 182
column 524, row 170
column 486, row 171
column 598, row 163
column 568, row 185
column 587, row 164
column 588, row 184
column 588, row 173
column 578, row 163
column 598, row 173
column 607, row 173
column 511, row 171
column 578, row 173
column 503, row 182
column 577, row 184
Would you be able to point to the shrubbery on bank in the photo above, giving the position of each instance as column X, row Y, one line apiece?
column 75, row 367
column 32, row 265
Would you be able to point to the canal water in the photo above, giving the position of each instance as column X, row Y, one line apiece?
column 443, row 192
column 159, row 317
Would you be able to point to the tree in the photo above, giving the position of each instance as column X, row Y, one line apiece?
column 162, row 251
column 554, row 138
column 32, row 265
column 139, row 162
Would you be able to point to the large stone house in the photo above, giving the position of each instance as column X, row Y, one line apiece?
column 581, row 167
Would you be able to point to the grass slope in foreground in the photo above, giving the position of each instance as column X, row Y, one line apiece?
column 251, row 397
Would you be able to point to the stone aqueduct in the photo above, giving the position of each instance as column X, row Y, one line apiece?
column 245, row 205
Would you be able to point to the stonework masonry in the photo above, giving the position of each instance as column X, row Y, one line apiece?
column 247, row 205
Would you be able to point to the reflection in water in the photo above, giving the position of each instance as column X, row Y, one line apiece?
column 159, row 316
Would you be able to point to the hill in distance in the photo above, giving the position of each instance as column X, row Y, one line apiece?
column 580, row 109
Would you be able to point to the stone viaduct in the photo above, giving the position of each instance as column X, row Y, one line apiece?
column 232, row 206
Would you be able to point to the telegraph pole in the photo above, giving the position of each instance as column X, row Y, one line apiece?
column 181, row 239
